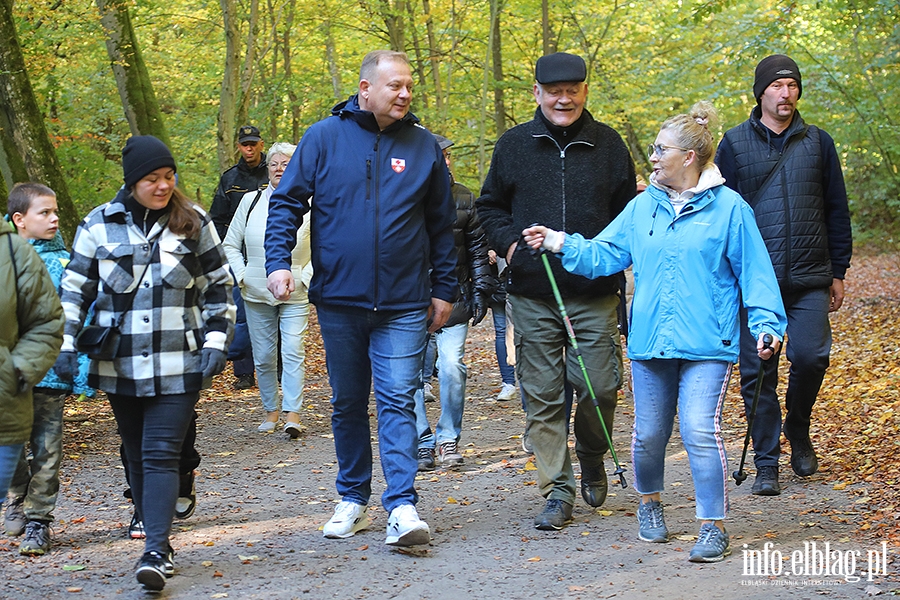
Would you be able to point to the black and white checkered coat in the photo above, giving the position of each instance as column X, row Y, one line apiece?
column 183, row 302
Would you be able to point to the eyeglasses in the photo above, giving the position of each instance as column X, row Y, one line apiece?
column 659, row 149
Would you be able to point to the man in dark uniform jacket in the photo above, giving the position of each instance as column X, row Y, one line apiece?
column 247, row 175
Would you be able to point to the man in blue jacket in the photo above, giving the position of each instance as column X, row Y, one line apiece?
column 377, row 192
column 789, row 173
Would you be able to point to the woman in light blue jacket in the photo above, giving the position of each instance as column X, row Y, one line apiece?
column 697, row 254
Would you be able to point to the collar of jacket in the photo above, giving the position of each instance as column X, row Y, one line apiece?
column 117, row 211
column 54, row 244
column 349, row 109
column 243, row 166
column 697, row 203
column 587, row 135
column 797, row 125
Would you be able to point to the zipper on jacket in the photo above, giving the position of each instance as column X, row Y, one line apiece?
column 787, row 231
column 368, row 178
column 562, row 159
column 376, row 227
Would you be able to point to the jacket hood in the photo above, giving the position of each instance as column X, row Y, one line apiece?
column 710, row 177
column 349, row 109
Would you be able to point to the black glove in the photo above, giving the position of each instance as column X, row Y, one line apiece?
column 479, row 308
column 66, row 366
column 212, row 362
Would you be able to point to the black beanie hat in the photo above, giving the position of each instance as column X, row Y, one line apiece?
column 144, row 154
column 771, row 68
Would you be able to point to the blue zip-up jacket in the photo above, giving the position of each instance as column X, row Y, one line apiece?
column 690, row 273
column 381, row 213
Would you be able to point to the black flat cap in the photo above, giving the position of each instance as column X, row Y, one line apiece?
column 248, row 133
column 443, row 142
column 560, row 66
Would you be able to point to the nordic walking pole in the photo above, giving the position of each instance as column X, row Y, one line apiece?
column 562, row 310
column 739, row 475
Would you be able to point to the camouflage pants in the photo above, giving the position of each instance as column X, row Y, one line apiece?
column 38, row 481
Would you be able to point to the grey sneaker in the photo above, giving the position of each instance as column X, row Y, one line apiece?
column 652, row 523
column 37, row 539
column 425, row 459
column 449, row 454
column 712, row 545
column 14, row 520
column 526, row 443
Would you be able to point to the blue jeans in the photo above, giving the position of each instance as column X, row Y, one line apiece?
column 451, row 346
column 507, row 371
column 240, row 352
column 385, row 347
column 153, row 430
column 264, row 322
column 808, row 349
column 9, row 458
column 697, row 390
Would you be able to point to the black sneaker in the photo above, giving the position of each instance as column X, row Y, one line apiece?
column 803, row 458
column 151, row 571
column 244, row 382
column 425, row 458
column 136, row 529
column 187, row 496
column 169, row 562
column 594, row 484
column 766, row 482
column 555, row 515
column 37, row 539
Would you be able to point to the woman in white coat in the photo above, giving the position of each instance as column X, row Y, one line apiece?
column 266, row 316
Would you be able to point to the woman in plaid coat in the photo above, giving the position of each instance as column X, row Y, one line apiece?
column 151, row 263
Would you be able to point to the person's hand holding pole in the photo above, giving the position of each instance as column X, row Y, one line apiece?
column 538, row 236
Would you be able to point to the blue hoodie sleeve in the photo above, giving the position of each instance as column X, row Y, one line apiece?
column 609, row 252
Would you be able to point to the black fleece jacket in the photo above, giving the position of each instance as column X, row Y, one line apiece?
column 577, row 188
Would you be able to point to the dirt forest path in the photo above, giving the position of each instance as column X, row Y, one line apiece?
column 262, row 500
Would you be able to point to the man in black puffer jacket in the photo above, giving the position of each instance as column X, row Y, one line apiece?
column 476, row 284
column 564, row 168
column 802, row 213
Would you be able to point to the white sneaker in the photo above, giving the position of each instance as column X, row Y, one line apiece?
column 507, row 392
column 429, row 393
column 405, row 528
column 348, row 518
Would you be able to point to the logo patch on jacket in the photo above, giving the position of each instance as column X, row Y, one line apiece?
column 398, row 165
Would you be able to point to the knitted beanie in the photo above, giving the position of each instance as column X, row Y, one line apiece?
column 144, row 154
column 771, row 68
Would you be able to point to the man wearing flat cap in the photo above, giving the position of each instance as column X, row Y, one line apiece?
column 790, row 175
column 564, row 170
column 249, row 174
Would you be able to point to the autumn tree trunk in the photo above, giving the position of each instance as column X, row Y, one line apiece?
column 12, row 167
column 228, row 95
column 333, row 68
column 26, row 123
column 132, row 78
column 433, row 57
column 497, row 59
column 419, row 64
